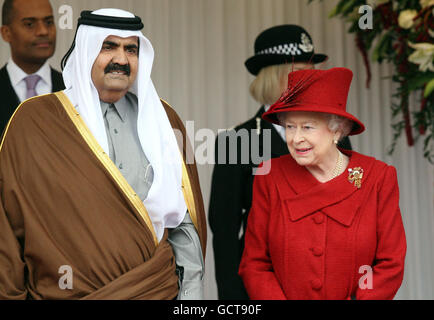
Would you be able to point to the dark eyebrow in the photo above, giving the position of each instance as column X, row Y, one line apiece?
column 116, row 45
column 34, row 18
column 110, row 43
column 131, row 46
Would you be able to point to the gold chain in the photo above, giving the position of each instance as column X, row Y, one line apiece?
column 338, row 167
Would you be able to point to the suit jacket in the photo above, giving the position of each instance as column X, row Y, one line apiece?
column 333, row 240
column 9, row 98
column 230, row 202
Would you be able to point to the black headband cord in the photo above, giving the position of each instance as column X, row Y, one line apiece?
column 89, row 19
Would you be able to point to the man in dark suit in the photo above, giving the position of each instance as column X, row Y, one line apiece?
column 278, row 51
column 28, row 26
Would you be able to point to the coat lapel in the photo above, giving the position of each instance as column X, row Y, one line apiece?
column 338, row 199
column 12, row 100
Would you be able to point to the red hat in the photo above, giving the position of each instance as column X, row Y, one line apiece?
column 323, row 91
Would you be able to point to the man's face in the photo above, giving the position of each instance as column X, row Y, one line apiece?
column 115, row 69
column 32, row 32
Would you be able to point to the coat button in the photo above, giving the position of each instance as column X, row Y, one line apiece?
column 317, row 251
column 316, row 284
column 318, row 219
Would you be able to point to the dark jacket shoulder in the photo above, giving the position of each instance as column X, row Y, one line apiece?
column 56, row 81
column 252, row 123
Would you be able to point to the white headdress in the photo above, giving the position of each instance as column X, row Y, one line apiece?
column 165, row 202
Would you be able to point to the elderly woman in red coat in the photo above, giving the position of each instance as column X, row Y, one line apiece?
column 325, row 222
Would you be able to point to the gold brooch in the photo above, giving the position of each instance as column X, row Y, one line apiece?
column 355, row 175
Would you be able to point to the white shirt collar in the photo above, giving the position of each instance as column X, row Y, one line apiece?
column 280, row 129
column 16, row 74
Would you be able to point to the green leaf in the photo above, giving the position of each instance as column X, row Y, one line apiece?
column 381, row 48
column 339, row 9
column 419, row 81
column 429, row 88
column 348, row 7
column 334, row 12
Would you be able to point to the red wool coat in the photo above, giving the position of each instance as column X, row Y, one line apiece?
column 311, row 240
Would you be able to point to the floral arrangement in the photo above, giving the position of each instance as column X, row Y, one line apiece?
column 402, row 33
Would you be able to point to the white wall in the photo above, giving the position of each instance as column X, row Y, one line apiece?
column 201, row 46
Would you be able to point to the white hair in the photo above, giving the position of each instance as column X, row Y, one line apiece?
column 341, row 124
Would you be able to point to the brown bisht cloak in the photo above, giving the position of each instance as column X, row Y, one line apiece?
column 64, row 203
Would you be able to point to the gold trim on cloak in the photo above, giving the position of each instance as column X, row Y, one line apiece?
column 187, row 190
column 111, row 167
column 13, row 114
column 117, row 175
column 106, row 161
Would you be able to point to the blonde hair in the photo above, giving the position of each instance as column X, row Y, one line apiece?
column 270, row 83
